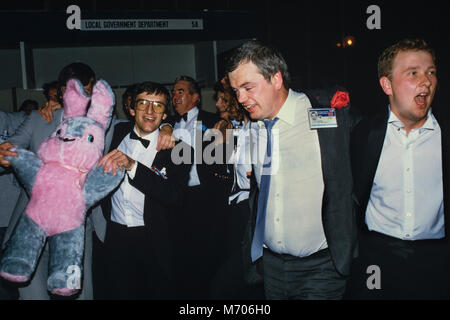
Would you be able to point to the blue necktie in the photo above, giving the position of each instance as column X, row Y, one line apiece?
column 258, row 236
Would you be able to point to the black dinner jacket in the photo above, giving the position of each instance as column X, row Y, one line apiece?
column 338, row 210
column 163, row 198
column 367, row 141
column 215, row 175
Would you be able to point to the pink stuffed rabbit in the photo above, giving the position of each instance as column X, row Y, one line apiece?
column 63, row 182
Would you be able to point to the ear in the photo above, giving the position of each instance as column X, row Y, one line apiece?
column 132, row 112
column 386, row 85
column 102, row 103
column 75, row 99
column 164, row 116
column 277, row 80
column 196, row 97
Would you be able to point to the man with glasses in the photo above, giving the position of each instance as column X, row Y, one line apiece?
column 138, row 253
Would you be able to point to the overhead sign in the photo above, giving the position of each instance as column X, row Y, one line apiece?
column 140, row 24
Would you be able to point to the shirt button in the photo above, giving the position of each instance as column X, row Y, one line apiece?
column 407, row 236
column 409, row 214
column 408, row 170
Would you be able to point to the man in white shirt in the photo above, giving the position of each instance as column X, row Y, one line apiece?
column 304, row 229
column 398, row 162
column 138, row 252
column 201, row 237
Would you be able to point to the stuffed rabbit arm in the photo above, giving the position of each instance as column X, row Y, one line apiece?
column 99, row 184
column 26, row 165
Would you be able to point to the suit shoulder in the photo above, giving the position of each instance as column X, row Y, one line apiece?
column 209, row 118
column 122, row 125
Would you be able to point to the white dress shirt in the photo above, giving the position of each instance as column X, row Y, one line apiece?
column 127, row 201
column 185, row 131
column 406, row 201
column 294, row 209
column 241, row 163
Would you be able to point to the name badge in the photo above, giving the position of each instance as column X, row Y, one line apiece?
column 322, row 118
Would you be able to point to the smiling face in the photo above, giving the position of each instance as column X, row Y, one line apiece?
column 147, row 120
column 182, row 99
column 411, row 87
column 222, row 105
column 260, row 97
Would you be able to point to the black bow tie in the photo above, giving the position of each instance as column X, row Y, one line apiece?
column 134, row 136
column 184, row 116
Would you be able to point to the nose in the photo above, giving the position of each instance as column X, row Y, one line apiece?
column 426, row 80
column 242, row 97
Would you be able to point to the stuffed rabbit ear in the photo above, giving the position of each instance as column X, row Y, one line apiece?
column 102, row 103
column 75, row 99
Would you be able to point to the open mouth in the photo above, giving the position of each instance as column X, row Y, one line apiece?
column 421, row 99
column 249, row 108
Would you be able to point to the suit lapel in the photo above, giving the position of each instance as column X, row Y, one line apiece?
column 373, row 147
column 120, row 131
column 445, row 142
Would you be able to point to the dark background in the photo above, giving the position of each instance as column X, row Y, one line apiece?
column 306, row 32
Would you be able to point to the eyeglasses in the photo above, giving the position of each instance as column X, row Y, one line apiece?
column 143, row 104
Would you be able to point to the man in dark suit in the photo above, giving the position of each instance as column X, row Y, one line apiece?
column 138, row 252
column 201, row 236
column 302, row 227
column 400, row 170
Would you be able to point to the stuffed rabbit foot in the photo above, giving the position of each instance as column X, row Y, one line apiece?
column 23, row 251
column 66, row 262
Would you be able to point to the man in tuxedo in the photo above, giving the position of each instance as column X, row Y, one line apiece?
column 400, row 169
column 302, row 226
column 138, row 253
column 201, row 237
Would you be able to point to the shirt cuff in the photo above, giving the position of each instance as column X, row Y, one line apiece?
column 165, row 124
column 132, row 172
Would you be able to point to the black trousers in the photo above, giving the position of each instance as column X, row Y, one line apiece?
column 199, row 241
column 307, row 278
column 229, row 283
column 131, row 270
column 390, row 268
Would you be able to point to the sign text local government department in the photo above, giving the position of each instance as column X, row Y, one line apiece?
column 140, row 24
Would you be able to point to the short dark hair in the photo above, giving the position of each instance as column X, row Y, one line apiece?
column 151, row 88
column 193, row 87
column 29, row 102
column 268, row 60
column 77, row 70
column 47, row 86
column 129, row 92
column 387, row 57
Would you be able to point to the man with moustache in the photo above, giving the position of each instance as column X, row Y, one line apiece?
column 400, row 168
column 201, row 236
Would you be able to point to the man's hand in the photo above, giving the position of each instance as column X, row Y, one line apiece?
column 4, row 151
column 47, row 111
column 165, row 138
column 116, row 159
